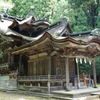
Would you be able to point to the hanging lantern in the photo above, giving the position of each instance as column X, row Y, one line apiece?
column 76, row 60
column 90, row 62
column 84, row 60
column 80, row 60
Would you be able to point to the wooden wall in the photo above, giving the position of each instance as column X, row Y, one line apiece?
column 58, row 66
column 71, row 66
column 53, row 68
column 39, row 67
column 4, row 59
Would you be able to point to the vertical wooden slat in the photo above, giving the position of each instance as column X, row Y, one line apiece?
column 40, row 67
column 31, row 68
column 35, row 68
column 28, row 69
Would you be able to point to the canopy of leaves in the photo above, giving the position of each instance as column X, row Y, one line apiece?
column 91, row 9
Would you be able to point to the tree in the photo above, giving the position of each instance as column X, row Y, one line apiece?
column 71, row 18
column 81, row 24
column 40, row 8
column 4, row 4
column 87, row 68
column 60, row 11
column 90, row 7
column 55, row 10
column 98, row 21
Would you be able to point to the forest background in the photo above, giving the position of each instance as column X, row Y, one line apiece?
column 82, row 15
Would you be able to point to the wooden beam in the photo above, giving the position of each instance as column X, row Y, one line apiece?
column 42, row 58
column 79, row 54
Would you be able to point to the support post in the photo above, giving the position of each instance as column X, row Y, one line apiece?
column 67, row 73
column 20, row 62
column 49, row 73
column 89, row 79
column 48, row 84
column 61, row 78
column 24, row 84
column 78, row 84
column 38, row 84
column 94, row 74
column 8, row 57
column 49, row 67
column 30, row 84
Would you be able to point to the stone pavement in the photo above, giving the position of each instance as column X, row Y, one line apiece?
column 78, row 94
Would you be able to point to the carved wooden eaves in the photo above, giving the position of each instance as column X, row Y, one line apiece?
column 64, row 47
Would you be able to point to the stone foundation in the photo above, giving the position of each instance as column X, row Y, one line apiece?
column 7, row 83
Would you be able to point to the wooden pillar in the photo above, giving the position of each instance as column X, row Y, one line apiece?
column 48, row 84
column 30, row 84
column 8, row 57
column 49, row 67
column 49, row 72
column 89, row 79
column 20, row 62
column 94, row 74
column 78, row 83
column 61, row 79
column 67, row 73
column 38, row 84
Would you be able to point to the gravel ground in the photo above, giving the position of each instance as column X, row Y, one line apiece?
column 16, row 96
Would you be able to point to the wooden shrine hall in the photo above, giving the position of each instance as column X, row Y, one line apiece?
column 40, row 57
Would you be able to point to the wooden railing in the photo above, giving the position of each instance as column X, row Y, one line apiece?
column 89, row 81
column 42, row 77
column 32, row 77
column 13, row 72
column 5, row 64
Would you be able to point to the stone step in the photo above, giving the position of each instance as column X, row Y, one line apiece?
column 45, row 95
column 95, row 97
column 96, row 93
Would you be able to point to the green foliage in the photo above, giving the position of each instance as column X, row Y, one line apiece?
column 97, row 64
column 81, row 24
column 87, row 68
column 91, row 9
column 98, row 22
column 55, row 10
column 40, row 8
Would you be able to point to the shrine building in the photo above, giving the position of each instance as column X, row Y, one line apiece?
column 36, row 56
